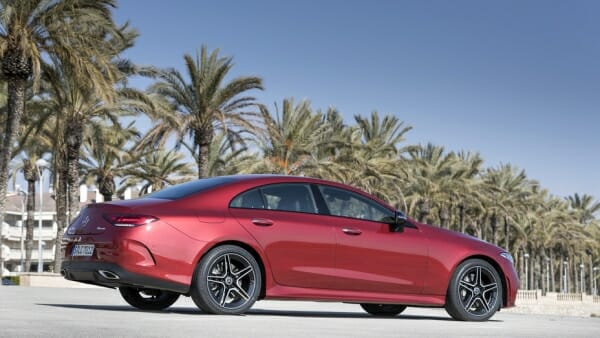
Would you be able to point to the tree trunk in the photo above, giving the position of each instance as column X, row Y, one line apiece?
column 61, row 216
column 591, row 274
column 552, row 276
column 67, row 194
column 461, row 217
column 424, row 210
column 567, row 273
column 73, row 140
column 477, row 230
column 14, row 112
column 107, row 187
column 543, row 273
column 203, row 139
column 506, row 234
column 576, row 276
column 537, row 272
column 561, row 275
column 521, row 268
column 532, row 274
column 494, row 224
column 30, row 224
column 444, row 216
column 107, row 197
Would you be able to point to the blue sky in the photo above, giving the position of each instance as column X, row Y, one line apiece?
column 517, row 81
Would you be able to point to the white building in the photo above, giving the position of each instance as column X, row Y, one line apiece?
column 13, row 232
column 13, row 229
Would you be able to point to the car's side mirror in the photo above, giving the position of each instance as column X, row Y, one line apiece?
column 400, row 221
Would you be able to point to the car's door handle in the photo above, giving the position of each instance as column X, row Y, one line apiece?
column 262, row 222
column 351, row 231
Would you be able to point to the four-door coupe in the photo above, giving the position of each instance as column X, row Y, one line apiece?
column 229, row 241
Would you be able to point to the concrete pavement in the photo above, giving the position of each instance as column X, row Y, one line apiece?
column 96, row 312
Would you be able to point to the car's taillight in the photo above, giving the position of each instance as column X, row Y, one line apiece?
column 121, row 220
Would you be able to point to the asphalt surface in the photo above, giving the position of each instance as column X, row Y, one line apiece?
column 96, row 312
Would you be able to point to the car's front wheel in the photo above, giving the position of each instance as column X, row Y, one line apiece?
column 148, row 299
column 383, row 310
column 227, row 281
column 475, row 291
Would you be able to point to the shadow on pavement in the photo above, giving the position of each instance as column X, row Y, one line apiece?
column 125, row 308
column 252, row 312
column 323, row 314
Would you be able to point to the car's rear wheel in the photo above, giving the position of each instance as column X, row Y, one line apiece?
column 383, row 310
column 227, row 281
column 148, row 299
column 475, row 291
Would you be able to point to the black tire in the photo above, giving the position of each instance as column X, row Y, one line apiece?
column 383, row 310
column 226, row 281
column 475, row 291
column 148, row 299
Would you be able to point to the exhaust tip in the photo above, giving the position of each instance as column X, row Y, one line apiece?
column 63, row 273
column 108, row 274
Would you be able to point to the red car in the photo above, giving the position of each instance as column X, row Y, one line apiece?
column 229, row 241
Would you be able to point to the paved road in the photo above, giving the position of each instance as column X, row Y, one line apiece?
column 96, row 312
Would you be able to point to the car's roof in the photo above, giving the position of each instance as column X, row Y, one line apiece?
column 274, row 178
column 251, row 177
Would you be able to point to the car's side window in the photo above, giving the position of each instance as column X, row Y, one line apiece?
column 349, row 204
column 250, row 200
column 286, row 197
column 289, row 197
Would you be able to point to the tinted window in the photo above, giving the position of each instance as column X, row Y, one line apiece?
column 289, row 197
column 190, row 188
column 348, row 204
column 251, row 199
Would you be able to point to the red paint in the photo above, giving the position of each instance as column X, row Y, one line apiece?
column 305, row 255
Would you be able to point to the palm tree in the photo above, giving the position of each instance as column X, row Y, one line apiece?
column 382, row 136
column 30, row 173
column 585, row 207
column 31, row 147
column 374, row 160
column 227, row 155
column 434, row 180
column 198, row 106
column 72, row 107
column 545, row 216
column 507, row 189
column 156, row 169
column 289, row 139
column 469, row 197
column 72, row 31
column 108, row 154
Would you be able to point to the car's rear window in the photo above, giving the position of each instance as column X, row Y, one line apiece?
column 189, row 188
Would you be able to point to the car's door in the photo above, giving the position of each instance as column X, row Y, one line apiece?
column 369, row 255
column 284, row 220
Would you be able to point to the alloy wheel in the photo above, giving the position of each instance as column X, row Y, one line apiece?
column 227, row 281
column 231, row 281
column 475, row 292
column 478, row 291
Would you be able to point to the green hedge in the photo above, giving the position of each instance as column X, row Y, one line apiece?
column 13, row 280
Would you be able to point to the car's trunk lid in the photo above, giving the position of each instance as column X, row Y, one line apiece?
column 92, row 221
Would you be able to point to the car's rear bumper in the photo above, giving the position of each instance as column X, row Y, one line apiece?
column 112, row 275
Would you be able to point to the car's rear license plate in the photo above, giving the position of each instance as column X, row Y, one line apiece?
column 82, row 250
